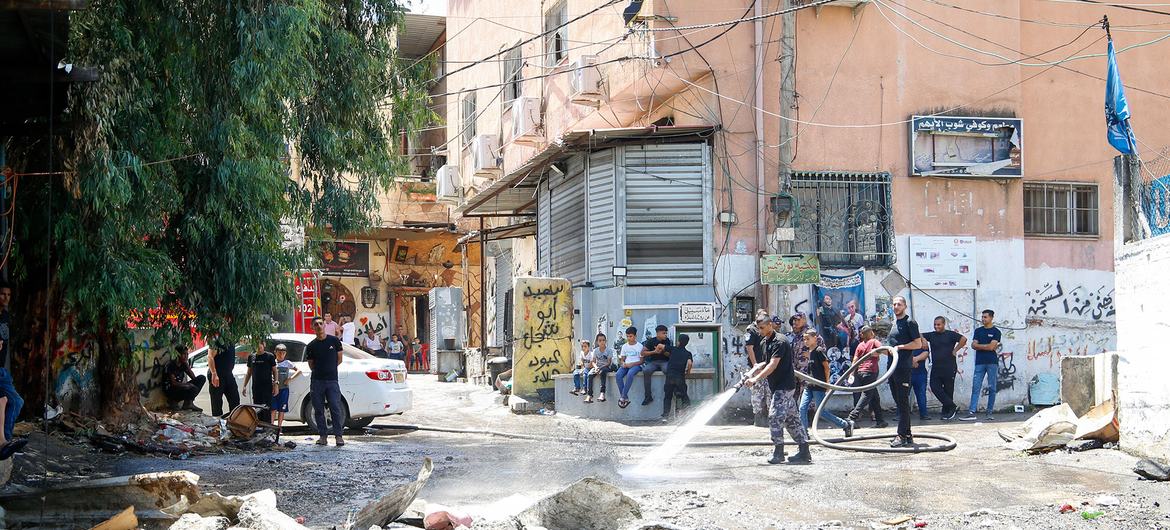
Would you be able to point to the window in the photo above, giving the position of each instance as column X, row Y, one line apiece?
column 511, row 71
column 844, row 218
column 556, row 39
column 468, row 114
column 1060, row 209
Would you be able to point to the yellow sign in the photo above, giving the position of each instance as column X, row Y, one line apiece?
column 543, row 344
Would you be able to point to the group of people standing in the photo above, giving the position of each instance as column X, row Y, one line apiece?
column 398, row 346
column 655, row 354
column 777, row 393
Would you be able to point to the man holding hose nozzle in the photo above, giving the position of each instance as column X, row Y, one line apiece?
column 781, row 377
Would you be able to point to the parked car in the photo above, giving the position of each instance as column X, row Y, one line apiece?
column 371, row 387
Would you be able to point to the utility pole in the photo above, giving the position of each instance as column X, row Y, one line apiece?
column 787, row 105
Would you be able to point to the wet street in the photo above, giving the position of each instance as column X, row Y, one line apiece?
column 491, row 477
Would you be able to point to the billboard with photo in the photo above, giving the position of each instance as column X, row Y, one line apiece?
column 943, row 146
column 345, row 258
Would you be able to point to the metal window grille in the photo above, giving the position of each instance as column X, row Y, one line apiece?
column 1060, row 209
column 468, row 115
column 844, row 218
column 511, row 72
column 556, row 43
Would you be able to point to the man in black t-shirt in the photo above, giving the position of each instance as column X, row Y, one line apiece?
column 655, row 353
column 753, row 343
column 221, row 363
column 906, row 340
column 944, row 346
column 677, row 367
column 323, row 354
column 175, row 384
column 781, row 376
column 262, row 372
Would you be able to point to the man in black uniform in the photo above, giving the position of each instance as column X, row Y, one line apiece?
column 655, row 354
column 753, row 342
column 906, row 340
column 221, row 363
column 781, row 376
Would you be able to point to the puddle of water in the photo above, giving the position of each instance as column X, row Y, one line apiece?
column 655, row 465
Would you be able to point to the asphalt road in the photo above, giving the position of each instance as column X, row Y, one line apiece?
column 977, row 485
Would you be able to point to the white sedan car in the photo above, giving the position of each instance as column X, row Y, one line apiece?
column 371, row 386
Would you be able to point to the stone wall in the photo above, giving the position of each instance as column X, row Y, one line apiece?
column 1143, row 320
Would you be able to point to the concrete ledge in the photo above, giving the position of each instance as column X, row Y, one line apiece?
column 700, row 385
column 520, row 405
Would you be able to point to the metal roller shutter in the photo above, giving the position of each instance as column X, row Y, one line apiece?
column 543, row 228
column 602, row 201
column 666, row 219
column 567, row 227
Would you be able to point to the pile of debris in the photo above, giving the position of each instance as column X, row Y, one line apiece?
column 1059, row 427
column 178, row 434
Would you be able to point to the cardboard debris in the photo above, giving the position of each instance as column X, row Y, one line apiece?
column 387, row 509
column 125, row 520
column 1049, row 429
column 243, row 421
column 1100, row 423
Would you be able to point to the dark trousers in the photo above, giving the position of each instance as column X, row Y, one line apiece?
column 675, row 386
column 186, row 391
column 603, row 374
column 943, row 387
column 227, row 389
column 901, row 393
column 262, row 395
column 870, row 398
column 321, row 392
column 648, row 368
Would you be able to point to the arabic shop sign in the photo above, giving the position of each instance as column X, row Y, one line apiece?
column 790, row 269
column 942, row 146
column 696, row 312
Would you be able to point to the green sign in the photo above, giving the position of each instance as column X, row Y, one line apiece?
column 789, row 269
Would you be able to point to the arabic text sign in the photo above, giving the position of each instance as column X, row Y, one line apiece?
column 543, row 344
column 789, row 269
column 700, row 312
column 943, row 262
column 982, row 147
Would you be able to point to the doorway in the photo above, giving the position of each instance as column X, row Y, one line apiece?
column 422, row 318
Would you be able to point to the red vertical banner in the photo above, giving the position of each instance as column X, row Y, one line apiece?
column 306, row 286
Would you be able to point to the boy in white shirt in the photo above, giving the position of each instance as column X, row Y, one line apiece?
column 581, row 371
column 631, row 365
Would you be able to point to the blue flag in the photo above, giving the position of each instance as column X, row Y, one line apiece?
column 1117, row 110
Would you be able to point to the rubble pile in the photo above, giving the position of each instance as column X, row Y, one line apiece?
column 177, row 434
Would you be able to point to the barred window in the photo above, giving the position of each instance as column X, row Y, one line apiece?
column 1060, row 209
column 469, row 116
column 844, row 218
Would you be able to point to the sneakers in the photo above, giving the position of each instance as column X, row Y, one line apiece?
column 322, row 441
column 848, row 428
column 952, row 415
column 589, row 399
column 881, row 425
column 601, row 397
column 340, row 441
column 647, row 401
column 989, row 418
column 777, row 455
column 969, row 417
column 901, row 442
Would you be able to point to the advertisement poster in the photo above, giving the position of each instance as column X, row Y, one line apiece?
column 843, row 290
column 942, row 262
column 970, row 147
column 345, row 258
column 789, row 269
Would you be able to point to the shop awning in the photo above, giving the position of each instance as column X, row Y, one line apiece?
column 514, row 193
column 513, row 231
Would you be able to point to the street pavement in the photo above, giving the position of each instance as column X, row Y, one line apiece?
column 977, row 485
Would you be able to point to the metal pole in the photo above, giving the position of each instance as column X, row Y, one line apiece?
column 787, row 104
column 482, row 288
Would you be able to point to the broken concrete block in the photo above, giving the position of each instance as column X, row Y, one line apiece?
column 588, row 504
column 255, row 515
column 214, row 504
column 146, row 491
column 1151, row 470
column 190, row 521
column 387, row 509
column 1048, row 429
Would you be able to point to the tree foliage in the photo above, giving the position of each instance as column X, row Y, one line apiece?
column 180, row 176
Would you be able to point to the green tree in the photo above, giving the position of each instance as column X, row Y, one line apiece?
column 178, row 176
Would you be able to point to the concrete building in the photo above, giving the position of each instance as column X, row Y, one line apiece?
column 949, row 152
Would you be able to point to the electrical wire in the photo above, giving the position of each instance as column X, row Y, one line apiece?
column 1130, row 7
column 745, row 19
column 1132, row 27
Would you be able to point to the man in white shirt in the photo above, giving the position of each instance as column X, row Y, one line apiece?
column 348, row 330
column 373, row 344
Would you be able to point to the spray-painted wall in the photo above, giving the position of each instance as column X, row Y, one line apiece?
column 1143, row 319
column 543, row 344
column 73, row 371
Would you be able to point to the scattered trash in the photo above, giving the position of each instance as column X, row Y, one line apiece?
column 452, row 376
column 389, row 508
column 300, row 519
column 1067, row 508
column 1048, row 429
column 1089, row 516
column 546, row 412
column 1151, row 470
column 290, row 444
column 588, row 504
column 439, row 517
column 898, row 520
column 920, row 524
column 1077, row 446
column 1107, row 500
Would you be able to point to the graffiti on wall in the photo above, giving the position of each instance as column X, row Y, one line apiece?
column 1053, row 347
column 375, row 321
column 1006, row 376
column 74, row 367
column 1057, row 299
column 543, row 344
column 149, row 371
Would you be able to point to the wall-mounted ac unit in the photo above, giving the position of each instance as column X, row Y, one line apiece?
column 585, row 82
column 483, row 153
column 526, row 120
column 447, row 184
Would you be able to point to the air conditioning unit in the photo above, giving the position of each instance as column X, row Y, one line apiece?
column 585, row 82
column 483, row 152
column 526, row 120
column 447, row 184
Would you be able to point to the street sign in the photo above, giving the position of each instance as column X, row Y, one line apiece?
column 306, row 288
column 789, row 269
column 696, row 312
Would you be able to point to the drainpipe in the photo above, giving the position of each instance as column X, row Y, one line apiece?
column 761, row 197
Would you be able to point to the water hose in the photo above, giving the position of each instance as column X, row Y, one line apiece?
column 835, row 443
